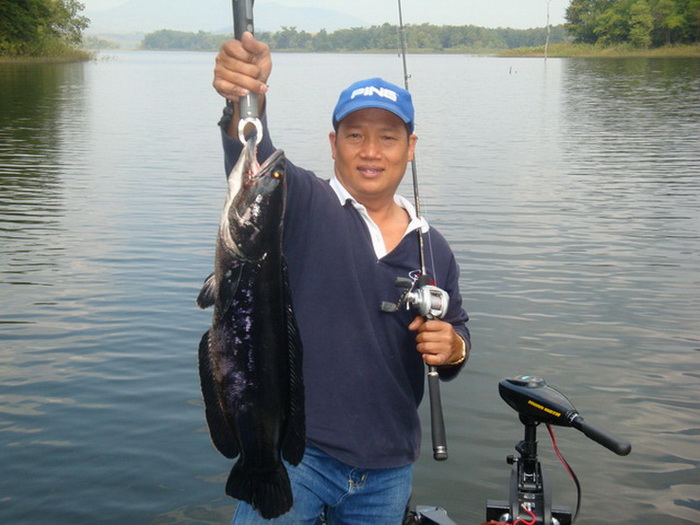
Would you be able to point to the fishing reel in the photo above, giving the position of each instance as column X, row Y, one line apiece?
column 425, row 299
column 421, row 298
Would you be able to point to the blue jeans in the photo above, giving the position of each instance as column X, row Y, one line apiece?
column 324, row 486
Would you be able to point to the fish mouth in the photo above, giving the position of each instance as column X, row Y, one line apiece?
column 254, row 201
column 272, row 163
column 249, row 152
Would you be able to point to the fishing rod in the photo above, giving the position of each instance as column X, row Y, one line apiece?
column 242, row 22
column 437, row 421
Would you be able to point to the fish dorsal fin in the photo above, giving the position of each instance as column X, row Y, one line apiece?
column 295, row 435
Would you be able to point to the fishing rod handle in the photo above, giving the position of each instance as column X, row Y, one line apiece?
column 437, row 422
column 242, row 17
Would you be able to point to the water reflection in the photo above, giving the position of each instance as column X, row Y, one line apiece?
column 629, row 121
column 34, row 101
column 568, row 190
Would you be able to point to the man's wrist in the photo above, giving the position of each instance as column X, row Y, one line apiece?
column 463, row 355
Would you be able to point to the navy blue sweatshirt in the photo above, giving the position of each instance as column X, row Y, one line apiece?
column 363, row 377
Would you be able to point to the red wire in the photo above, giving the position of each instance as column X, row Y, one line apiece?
column 531, row 522
column 521, row 521
column 569, row 470
column 555, row 446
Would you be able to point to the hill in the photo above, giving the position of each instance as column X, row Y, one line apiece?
column 143, row 16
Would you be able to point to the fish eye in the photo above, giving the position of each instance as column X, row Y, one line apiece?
column 276, row 174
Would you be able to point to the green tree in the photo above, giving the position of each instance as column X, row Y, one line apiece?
column 667, row 19
column 66, row 21
column 583, row 19
column 19, row 24
column 611, row 25
column 616, row 21
column 692, row 18
column 290, row 38
column 169, row 39
column 384, row 37
column 641, row 24
column 35, row 27
column 422, row 37
column 387, row 37
column 322, row 41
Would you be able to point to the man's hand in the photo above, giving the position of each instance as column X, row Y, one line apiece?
column 437, row 341
column 242, row 67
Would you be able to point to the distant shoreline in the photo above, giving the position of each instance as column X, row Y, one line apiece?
column 558, row 50
column 592, row 51
column 75, row 55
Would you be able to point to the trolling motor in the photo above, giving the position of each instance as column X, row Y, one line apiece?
column 530, row 494
column 426, row 299
column 530, row 501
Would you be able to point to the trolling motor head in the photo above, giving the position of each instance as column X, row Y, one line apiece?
column 536, row 401
column 531, row 397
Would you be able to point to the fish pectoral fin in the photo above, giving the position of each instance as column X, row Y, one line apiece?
column 207, row 295
column 295, row 434
column 220, row 428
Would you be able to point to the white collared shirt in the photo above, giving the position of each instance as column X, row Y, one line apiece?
column 374, row 231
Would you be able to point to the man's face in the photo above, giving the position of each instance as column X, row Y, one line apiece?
column 371, row 150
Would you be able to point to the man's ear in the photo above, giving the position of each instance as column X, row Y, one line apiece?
column 412, row 146
column 331, row 138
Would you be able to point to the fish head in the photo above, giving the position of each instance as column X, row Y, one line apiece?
column 251, row 223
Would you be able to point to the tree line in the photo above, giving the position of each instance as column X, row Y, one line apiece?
column 40, row 27
column 386, row 37
column 54, row 27
column 640, row 23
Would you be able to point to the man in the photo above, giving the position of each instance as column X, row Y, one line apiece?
column 346, row 241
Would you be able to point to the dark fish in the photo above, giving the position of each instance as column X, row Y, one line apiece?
column 250, row 359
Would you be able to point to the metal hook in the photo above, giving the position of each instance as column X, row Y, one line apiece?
column 253, row 121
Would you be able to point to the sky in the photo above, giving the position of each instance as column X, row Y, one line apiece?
column 486, row 13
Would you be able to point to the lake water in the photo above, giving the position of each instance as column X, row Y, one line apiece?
column 569, row 189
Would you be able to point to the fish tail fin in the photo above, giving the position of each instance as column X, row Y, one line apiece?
column 270, row 493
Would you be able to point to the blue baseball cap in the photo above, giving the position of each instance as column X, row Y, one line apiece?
column 375, row 93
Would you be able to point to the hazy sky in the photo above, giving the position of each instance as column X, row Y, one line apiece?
column 487, row 13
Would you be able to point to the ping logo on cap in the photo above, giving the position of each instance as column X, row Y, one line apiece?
column 374, row 93
column 369, row 91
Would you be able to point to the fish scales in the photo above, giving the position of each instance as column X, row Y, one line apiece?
column 250, row 360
